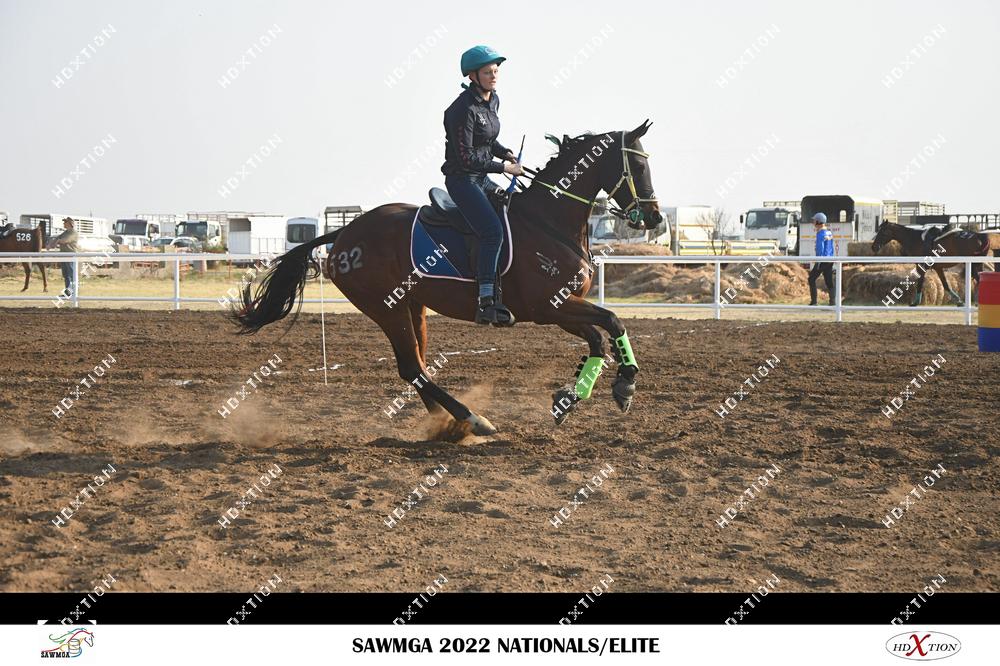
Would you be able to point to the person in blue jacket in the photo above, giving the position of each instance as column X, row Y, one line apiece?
column 471, row 128
column 824, row 248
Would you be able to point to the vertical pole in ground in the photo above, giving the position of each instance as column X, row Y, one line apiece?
column 177, row 282
column 600, row 282
column 322, row 317
column 76, row 281
column 968, row 293
column 838, row 283
column 717, row 289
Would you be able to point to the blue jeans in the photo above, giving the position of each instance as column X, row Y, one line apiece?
column 469, row 194
column 67, row 273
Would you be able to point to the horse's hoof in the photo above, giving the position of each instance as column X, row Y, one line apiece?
column 622, row 390
column 480, row 425
column 563, row 402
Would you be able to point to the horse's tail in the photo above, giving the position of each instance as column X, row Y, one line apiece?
column 281, row 287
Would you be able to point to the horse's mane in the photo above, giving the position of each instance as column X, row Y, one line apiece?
column 566, row 147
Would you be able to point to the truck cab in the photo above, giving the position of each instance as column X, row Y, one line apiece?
column 207, row 231
column 780, row 224
column 135, row 233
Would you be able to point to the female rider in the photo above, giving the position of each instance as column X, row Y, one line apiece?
column 471, row 128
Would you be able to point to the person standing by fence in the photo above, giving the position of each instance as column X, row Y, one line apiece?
column 68, row 242
column 824, row 248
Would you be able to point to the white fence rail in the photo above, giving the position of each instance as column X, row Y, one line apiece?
column 78, row 258
column 716, row 305
column 837, row 308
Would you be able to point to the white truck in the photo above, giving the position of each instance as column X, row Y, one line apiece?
column 777, row 223
column 300, row 230
column 167, row 222
column 610, row 229
column 257, row 234
column 135, row 233
column 208, row 232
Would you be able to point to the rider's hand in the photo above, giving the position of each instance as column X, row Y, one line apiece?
column 513, row 168
column 510, row 157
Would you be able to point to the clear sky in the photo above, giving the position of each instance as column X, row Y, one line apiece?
column 348, row 98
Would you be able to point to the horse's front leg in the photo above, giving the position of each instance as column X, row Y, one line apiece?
column 565, row 399
column 577, row 310
column 27, row 275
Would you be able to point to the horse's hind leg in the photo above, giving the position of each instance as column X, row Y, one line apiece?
column 918, row 295
column 564, row 400
column 418, row 316
column 955, row 298
column 45, row 282
column 400, row 331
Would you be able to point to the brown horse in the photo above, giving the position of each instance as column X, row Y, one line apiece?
column 546, row 283
column 936, row 242
column 16, row 239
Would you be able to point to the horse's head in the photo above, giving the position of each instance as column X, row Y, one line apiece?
column 629, row 182
column 622, row 171
column 882, row 236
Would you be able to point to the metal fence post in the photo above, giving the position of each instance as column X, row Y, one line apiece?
column 600, row 282
column 177, row 283
column 968, row 293
column 838, row 281
column 76, row 281
column 717, row 289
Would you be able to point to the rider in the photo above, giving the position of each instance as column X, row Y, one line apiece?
column 471, row 128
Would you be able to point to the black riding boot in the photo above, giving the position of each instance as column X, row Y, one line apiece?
column 812, row 293
column 492, row 311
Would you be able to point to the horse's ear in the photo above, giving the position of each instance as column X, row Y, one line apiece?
column 638, row 132
column 554, row 140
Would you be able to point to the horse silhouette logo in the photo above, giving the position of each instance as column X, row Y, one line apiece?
column 69, row 644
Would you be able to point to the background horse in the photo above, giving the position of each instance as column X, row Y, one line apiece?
column 371, row 259
column 956, row 244
column 15, row 239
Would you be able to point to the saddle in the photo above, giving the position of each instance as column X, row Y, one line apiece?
column 443, row 245
column 443, row 211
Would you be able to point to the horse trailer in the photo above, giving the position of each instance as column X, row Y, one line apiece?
column 849, row 218
column 257, row 235
column 94, row 233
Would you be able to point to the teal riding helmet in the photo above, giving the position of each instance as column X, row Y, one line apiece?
column 479, row 56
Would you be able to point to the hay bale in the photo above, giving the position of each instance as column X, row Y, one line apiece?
column 869, row 285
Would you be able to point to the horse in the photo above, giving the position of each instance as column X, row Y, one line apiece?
column 547, row 278
column 16, row 239
column 954, row 242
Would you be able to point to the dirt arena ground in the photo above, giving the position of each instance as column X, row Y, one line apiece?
column 485, row 526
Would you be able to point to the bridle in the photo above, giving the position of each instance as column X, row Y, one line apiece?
column 631, row 212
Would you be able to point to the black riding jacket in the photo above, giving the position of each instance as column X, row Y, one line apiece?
column 471, row 126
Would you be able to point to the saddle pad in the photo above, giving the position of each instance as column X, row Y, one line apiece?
column 431, row 261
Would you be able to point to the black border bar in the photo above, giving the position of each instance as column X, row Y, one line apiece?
column 472, row 608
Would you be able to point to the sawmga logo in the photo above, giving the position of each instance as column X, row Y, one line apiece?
column 923, row 645
column 69, row 644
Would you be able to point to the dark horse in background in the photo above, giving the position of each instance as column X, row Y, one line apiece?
column 548, row 221
column 18, row 239
column 953, row 242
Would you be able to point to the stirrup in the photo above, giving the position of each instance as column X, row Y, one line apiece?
column 496, row 313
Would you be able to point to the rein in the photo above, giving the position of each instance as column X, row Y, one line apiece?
column 630, row 212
